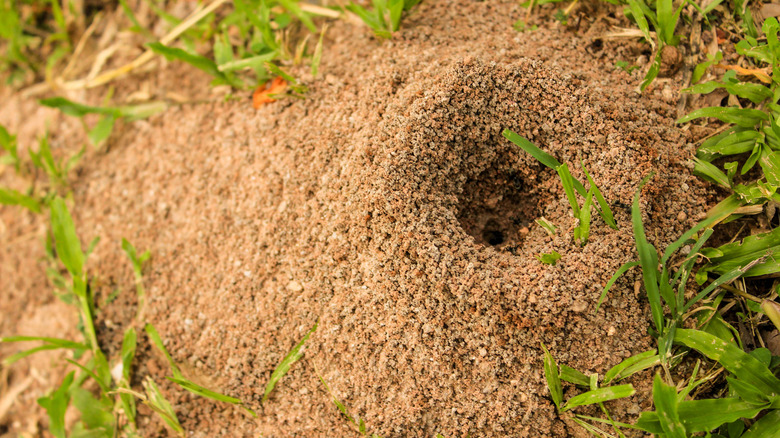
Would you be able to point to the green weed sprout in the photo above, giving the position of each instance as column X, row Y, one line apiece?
column 595, row 394
column 138, row 263
column 549, row 258
column 183, row 382
column 109, row 114
column 571, row 187
column 386, row 16
column 754, row 388
column 358, row 422
column 754, row 131
column 57, row 171
column 293, row 356
column 8, row 144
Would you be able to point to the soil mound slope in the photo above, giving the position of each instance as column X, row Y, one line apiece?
column 388, row 207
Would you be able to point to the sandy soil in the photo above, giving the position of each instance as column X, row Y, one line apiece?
column 388, row 207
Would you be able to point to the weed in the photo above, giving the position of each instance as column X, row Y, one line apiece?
column 293, row 356
column 571, row 187
column 183, row 382
column 99, row 133
column 358, row 422
column 138, row 263
column 8, row 143
column 626, row 67
column 56, row 170
column 549, row 258
column 386, row 16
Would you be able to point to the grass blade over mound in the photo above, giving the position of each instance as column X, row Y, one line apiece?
column 284, row 366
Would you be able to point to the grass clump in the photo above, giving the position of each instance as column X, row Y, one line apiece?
column 572, row 187
column 385, row 17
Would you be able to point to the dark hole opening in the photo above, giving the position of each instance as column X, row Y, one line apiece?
column 493, row 237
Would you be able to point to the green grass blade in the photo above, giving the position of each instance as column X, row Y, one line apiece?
column 702, row 415
column 639, row 17
column 205, row 392
column 157, row 341
column 710, row 172
column 284, row 366
column 744, row 117
column 737, row 254
column 197, row 61
column 718, row 213
column 766, row 427
column 102, row 130
column 648, row 258
column 56, row 404
column 599, row 395
column 129, row 343
column 317, row 56
column 733, row 143
column 58, row 342
column 66, row 241
column 569, row 374
column 103, row 386
column 76, row 109
column 665, row 400
column 547, row 225
column 293, row 7
column 161, row 406
column 653, row 71
column 553, row 378
column 22, row 354
column 606, row 212
column 396, row 8
column 568, row 187
column 744, row 366
column 12, row 197
column 615, row 372
column 619, row 273
column 582, row 231
column 542, row 156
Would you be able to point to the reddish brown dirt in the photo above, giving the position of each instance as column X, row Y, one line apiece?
column 388, row 207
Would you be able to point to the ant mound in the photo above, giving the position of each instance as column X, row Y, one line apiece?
column 400, row 220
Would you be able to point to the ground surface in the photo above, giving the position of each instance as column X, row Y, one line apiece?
column 388, row 207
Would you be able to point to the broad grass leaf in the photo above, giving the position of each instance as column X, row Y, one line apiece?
column 96, row 413
column 770, row 164
column 766, row 427
column 599, row 395
column 748, row 392
column 648, row 258
column 702, row 415
column 665, row 400
column 553, row 378
column 745, row 117
column 736, row 361
column 102, row 130
column 284, row 366
column 396, row 8
column 12, row 197
column 710, row 172
column 738, row 254
column 66, row 241
column 582, row 232
column 739, row 141
column 616, row 372
column 569, row 374
column 56, row 403
column 639, row 17
column 296, row 10
column 49, row 344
